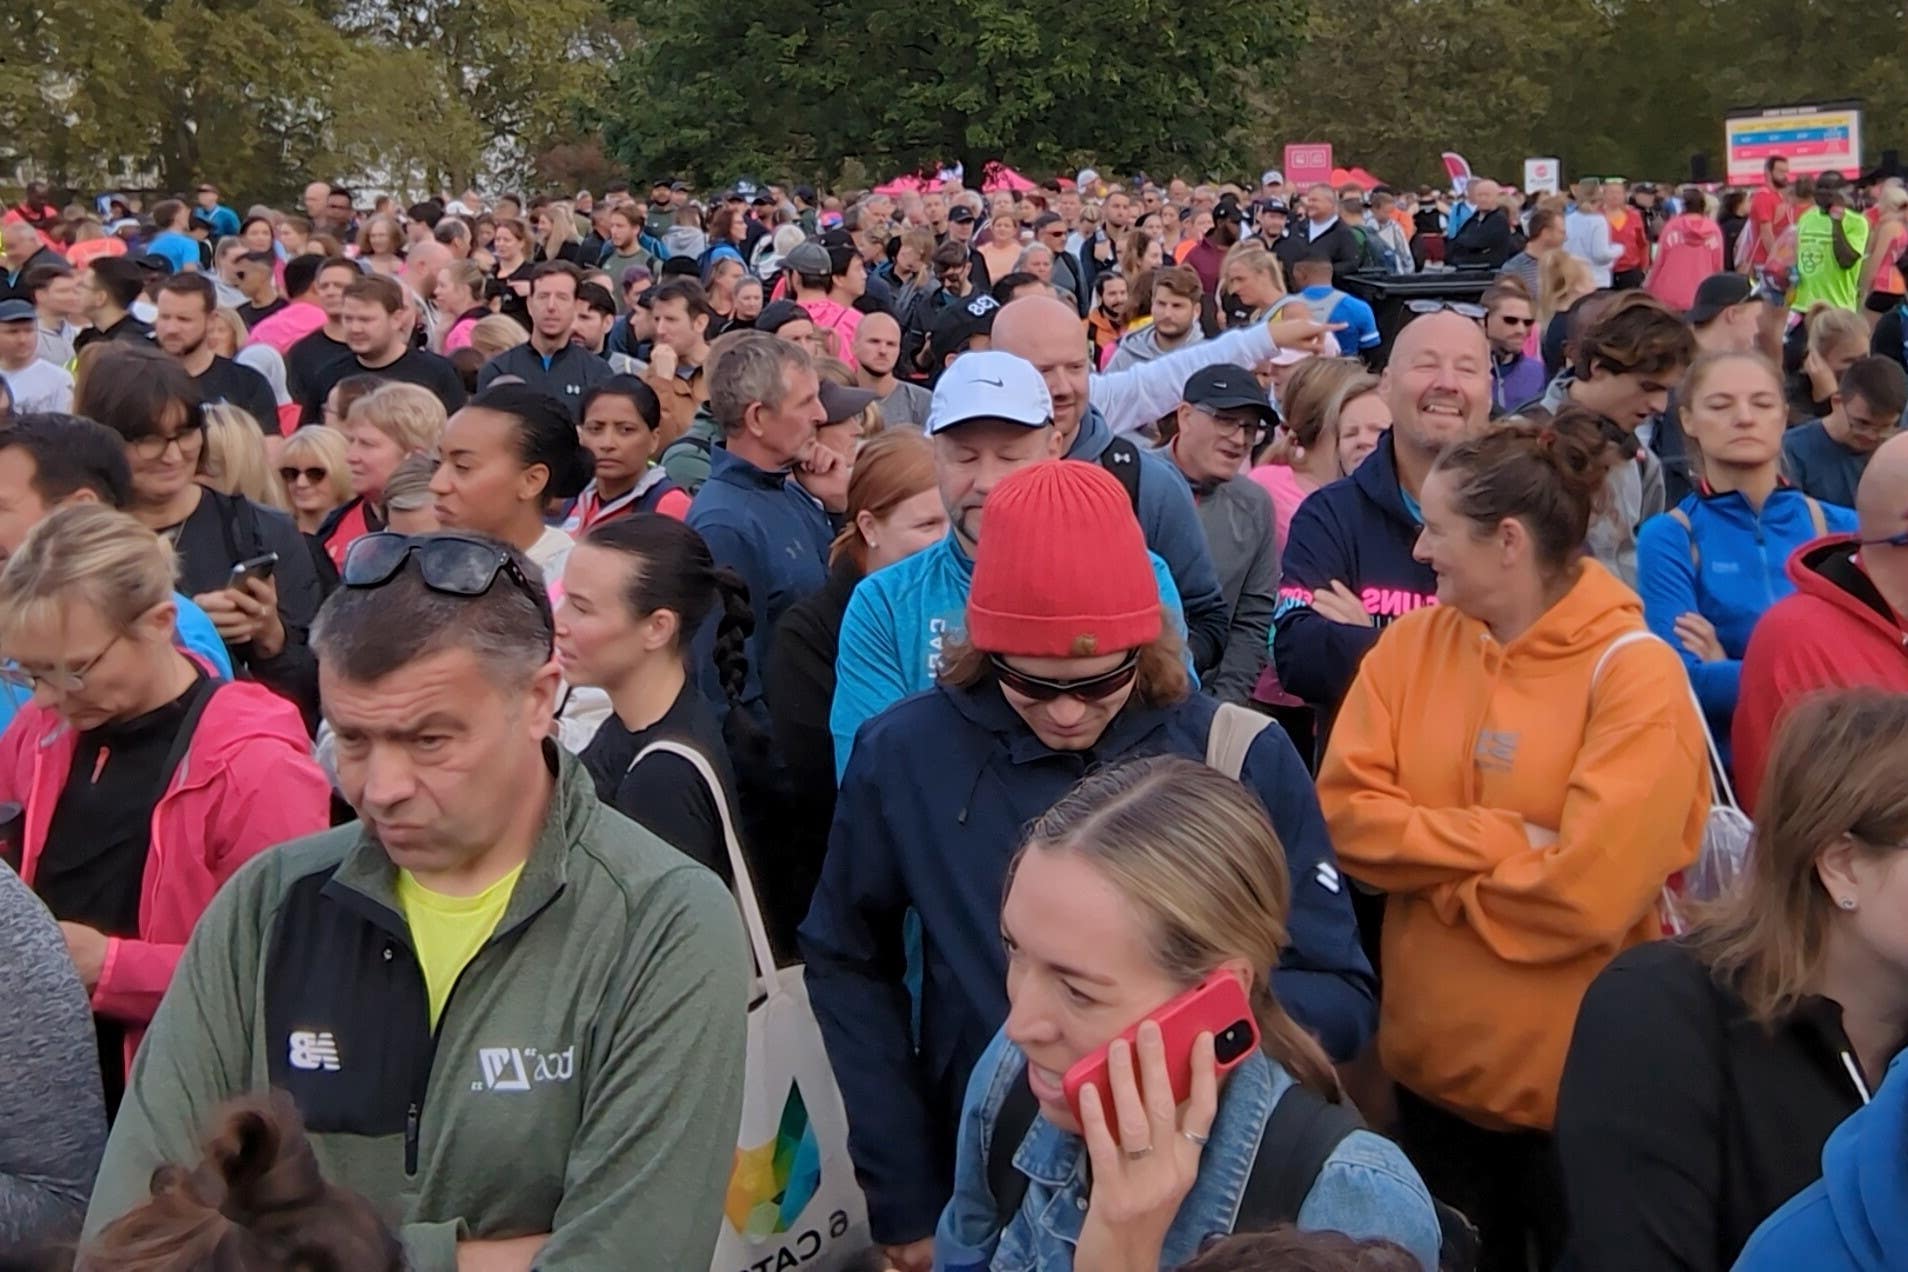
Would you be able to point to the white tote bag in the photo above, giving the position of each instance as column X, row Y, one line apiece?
column 792, row 1200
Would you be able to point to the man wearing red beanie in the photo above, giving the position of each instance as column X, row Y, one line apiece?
column 1069, row 665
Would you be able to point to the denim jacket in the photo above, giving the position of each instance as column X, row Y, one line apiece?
column 1365, row 1189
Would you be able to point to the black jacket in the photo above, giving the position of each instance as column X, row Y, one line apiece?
column 1337, row 242
column 1682, row 1124
column 1482, row 242
column 566, row 375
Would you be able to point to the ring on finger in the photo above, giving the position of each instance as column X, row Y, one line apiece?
column 1134, row 1154
column 1195, row 1137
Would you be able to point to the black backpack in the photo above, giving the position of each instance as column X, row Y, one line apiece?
column 1122, row 459
column 1305, row 1130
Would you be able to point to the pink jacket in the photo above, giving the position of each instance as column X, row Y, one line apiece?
column 289, row 325
column 247, row 782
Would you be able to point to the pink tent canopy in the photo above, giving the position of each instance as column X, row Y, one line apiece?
column 996, row 176
column 1355, row 176
column 909, row 183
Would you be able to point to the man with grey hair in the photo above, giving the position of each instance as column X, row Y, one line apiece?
column 511, row 1015
column 764, row 511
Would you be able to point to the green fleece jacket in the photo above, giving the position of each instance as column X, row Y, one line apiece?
column 585, row 1078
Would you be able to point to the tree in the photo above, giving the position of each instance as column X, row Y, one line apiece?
column 715, row 89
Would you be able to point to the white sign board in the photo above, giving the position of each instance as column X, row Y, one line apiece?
column 1543, row 176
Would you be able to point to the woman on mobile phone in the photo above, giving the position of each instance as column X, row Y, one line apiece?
column 147, row 780
column 1066, row 664
column 1145, row 880
column 1520, row 770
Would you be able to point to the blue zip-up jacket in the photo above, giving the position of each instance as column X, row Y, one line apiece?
column 897, row 623
column 1854, row 1218
column 936, row 800
column 1171, row 524
column 1357, row 531
column 1730, row 566
column 1366, row 1188
column 771, row 532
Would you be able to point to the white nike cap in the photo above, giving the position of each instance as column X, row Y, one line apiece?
column 989, row 385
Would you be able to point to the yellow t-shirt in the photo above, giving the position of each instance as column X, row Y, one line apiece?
column 448, row 931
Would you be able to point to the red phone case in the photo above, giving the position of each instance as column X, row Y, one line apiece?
column 1213, row 1006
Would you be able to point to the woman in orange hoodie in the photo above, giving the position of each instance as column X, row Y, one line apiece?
column 1520, row 769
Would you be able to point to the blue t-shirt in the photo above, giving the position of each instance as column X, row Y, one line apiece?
column 1822, row 466
column 1361, row 324
column 192, row 629
column 182, row 250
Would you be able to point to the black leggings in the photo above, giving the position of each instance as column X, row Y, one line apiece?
column 1505, row 1182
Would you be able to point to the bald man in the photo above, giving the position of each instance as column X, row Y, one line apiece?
column 1349, row 567
column 422, row 265
column 877, row 348
column 1845, row 625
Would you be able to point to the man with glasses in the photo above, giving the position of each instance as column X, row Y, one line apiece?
column 1050, row 231
column 1516, row 377
column 953, row 269
column 1223, row 419
column 509, row 1012
column 1826, row 457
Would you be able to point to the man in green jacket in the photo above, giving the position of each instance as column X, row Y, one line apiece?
column 508, row 1015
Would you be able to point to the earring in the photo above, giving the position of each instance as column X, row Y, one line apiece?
column 1847, row 903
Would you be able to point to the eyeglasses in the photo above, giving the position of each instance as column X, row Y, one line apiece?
column 154, row 445
column 1461, row 308
column 290, row 476
column 1088, row 689
column 65, row 680
column 454, row 564
column 1255, row 426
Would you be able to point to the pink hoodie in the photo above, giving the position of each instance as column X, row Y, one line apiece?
column 247, row 782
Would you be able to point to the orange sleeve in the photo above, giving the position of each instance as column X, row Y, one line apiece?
column 674, row 504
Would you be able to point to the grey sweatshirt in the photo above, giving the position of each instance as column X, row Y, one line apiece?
column 52, row 1116
column 1143, row 346
column 1236, row 516
column 1632, row 494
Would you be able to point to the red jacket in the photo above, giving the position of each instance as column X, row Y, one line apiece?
column 1835, row 632
column 1633, row 236
column 247, row 782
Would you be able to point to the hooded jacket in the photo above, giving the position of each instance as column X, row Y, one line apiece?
column 1143, row 346
column 934, row 804
column 684, row 240
column 1523, row 813
column 1683, row 1122
column 247, row 782
column 1836, row 632
column 1855, row 1218
column 1359, row 532
column 584, row 1077
column 1716, row 556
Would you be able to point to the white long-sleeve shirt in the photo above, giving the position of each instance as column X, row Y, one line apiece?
column 1587, row 237
column 1135, row 397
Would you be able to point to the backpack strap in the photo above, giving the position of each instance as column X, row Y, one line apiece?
column 1016, row 1117
column 1817, row 519
column 200, row 697
column 1305, row 1129
column 1681, row 518
column 1122, row 459
column 1234, row 730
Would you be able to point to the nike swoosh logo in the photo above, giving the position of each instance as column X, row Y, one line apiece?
column 996, row 383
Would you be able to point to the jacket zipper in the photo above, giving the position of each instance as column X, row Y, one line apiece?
column 1855, row 1075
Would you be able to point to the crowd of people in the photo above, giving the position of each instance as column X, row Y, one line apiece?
column 441, row 642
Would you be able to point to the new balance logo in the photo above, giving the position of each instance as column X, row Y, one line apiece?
column 309, row 1050
column 516, row 1068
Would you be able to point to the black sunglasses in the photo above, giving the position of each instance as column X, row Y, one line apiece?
column 1088, row 689
column 454, row 564
column 290, row 476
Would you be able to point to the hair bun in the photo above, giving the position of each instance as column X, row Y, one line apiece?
column 1580, row 445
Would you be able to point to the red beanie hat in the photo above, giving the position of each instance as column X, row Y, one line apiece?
column 1062, row 570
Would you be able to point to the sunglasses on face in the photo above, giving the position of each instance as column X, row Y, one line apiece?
column 290, row 476
column 1515, row 321
column 454, row 564
column 1087, row 689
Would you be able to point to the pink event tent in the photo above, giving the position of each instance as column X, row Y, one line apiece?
column 996, row 176
column 1355, row 176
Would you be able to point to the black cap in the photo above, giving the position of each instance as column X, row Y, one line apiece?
column 1717, row 293
column 662, row 181
column 841, row 249
column 678, row 185
column 778, row 314
column 1273, row 205
column 155, row 262
column 762, row 201
column 959, row 323
column 1226, row 386
column 1045, row 219
column 1226, row 213
column 961, row 213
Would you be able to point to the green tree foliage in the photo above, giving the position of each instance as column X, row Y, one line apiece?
column 715, row 89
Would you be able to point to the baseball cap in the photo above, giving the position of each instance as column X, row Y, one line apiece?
column 1045, row 219
column 1227, row 386
column 809, row 258
column 1226, row 212
column 16, row 311
column 1717, row 293
column 840, row 246
column 959, row 323
column 124, row 225
column 839, row 402
column 1273, row 205
column 1271, row 176
column 961, row 214
column 989, row 385
column 1086, row 177
column 153, row 261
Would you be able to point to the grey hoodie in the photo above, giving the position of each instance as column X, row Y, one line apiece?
column 685, row 240
column 1632, row 494
column 1143, row 346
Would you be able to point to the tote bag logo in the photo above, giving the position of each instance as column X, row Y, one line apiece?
column 774, row 1181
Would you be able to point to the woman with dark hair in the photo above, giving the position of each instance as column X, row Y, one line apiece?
column 256, row 1202
column 1067, row 665
column 636, row 590
column 512, row 247
column 1519, row 769
column 150, row 401
column 504, row 457
column 620, row 419
column 1735, row 215
column 1706, row 1074
column 728, row 226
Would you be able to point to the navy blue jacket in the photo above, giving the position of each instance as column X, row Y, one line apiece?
column 1171, row 522
column 1357, row 531
column 935, row 801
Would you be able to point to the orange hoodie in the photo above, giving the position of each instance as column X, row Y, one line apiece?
column 1522, row 832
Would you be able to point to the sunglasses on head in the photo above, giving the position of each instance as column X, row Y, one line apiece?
column 290, row 476
column 1086, row 689
column 1458, row 307
column 447, row 562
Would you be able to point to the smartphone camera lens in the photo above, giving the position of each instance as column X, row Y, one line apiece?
column 1233, row 1043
